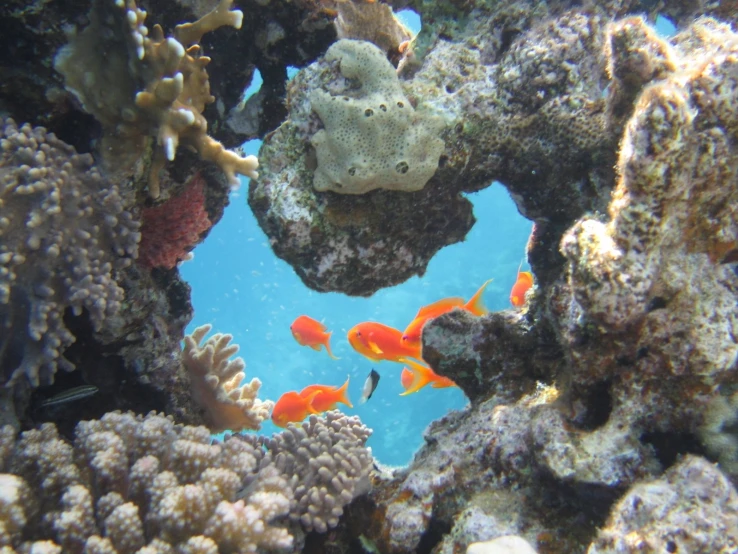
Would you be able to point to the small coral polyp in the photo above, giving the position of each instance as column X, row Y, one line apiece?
column 103, row 67
column 373, row 137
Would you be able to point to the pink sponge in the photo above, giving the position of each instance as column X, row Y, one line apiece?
column 170, row 230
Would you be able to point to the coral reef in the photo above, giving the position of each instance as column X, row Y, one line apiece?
column 675, row 513
column 104, row 64
column 64, row 236
column 329, row 464
column 372, row 137
column 170, row 230
column 145, row 484
column 217, row 383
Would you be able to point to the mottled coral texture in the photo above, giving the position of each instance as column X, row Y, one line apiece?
column 64, row 234
column 170, row 230
column 145, row 484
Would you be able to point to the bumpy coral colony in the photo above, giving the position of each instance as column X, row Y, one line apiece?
column 602, row 416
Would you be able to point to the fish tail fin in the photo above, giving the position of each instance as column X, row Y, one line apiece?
column 422, row 376
column 327, row 345
column 343, row 394
column 476, row 302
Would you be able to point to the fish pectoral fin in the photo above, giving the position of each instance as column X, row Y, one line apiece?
column 375, row 347
column 315, row 347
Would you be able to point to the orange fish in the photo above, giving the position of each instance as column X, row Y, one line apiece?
column 329, row 396
column 419, row 376
column 309, row 332
column 380, row 342
column 521, row 286
column 293, row 408
column 411, row 335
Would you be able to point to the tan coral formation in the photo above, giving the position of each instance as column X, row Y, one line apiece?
column 217, row 383
column 373, row 137
column 649, row 287
column 175, row 88
column 140, row 484
column 143, row 484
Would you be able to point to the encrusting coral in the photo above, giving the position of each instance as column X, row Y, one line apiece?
column 145, row 484
column 217, row 386
column 373, row 137
column 140, row 84
column 171, row 229
column 64, row 233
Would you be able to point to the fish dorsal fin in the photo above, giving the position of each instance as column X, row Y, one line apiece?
column 476, row 302
column 449, row 303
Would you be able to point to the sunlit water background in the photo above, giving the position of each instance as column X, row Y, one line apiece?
column 242, row 288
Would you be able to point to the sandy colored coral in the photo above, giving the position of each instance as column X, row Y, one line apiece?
column 64, row 235
column 217, row 383
column 373, row 137
column 141, row 484
column 175, row 88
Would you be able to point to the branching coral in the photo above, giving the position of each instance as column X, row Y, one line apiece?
column 216, row 383
column 141, row 484
column 330, row 464
column 64, row 233
column 105, row 66
column 145, row 484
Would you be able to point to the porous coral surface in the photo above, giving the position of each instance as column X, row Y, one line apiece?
column 64, row 235
column 145, row 484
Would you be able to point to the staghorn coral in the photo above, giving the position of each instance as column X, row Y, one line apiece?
column 142, row 484
column 217, row 383
column 104, row 65
column 65, row 234
column 171, row 229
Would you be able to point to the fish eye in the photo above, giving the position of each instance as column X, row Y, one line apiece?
column 405, row 337
column 358, row 333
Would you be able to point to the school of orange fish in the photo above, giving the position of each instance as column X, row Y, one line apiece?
column 379, row 342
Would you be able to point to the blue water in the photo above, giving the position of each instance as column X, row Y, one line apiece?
column 242, row 288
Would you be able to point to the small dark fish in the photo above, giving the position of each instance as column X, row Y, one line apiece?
column 70, row 395
column 370, row 385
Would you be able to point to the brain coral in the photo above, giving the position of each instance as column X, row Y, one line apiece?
column 373, row 137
